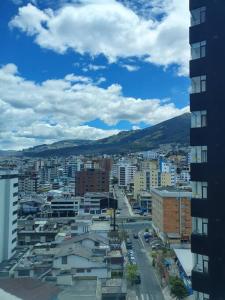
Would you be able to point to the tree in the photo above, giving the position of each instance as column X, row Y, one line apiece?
column 131, row 273
column 114, row 180
column 177, row 288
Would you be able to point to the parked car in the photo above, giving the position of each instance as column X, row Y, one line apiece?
column 131, row 220
column 138, row 279
column 135, row 236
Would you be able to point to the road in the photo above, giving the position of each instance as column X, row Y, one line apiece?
column 123, row 204
column 149, row 289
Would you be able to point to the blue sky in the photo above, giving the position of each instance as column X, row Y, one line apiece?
column 90, row 68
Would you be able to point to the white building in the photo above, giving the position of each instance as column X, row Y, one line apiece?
column 125, row 174
column 8, row 213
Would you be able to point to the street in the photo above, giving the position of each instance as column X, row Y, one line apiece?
column 123, row 205
column 149, row 289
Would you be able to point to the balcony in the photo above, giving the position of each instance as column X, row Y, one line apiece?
column 199, row 172
column 199, row 136
column 198, row 101
column 197, row 33
column 196, row 3
column 200, row 281
column 197, row 66
column 199, row 243
column 199, row 208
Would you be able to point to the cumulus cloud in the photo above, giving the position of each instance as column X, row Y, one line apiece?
column 34, row 113
column 113, row 29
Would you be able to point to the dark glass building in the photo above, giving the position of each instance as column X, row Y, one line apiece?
column 207, row 102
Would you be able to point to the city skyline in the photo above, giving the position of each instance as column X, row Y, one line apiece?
column 79, row 83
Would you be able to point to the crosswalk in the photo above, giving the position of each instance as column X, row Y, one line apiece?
column 141, row 297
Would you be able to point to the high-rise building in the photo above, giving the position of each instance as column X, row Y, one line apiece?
column 8, row 213
column 207, row 73
column 91, row 180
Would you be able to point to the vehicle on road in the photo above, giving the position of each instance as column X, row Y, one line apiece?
column 129, row 244
column 131, row 220
column 135, row 236
column 138, row 279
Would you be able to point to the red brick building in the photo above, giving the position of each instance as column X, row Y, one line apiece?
column 91, row 180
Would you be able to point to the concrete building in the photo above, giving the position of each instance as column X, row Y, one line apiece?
column 8, row 213
column 207, row 41
column 125, row 173
column 165, row 179
column 171, row 213
column 145, row 180
column 91, row 180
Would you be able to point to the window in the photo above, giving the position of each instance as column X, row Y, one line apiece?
column 198, row 119
column 198, row 84
column 198, row 50
column 199, row 189
column 200, row 225
column 80, row 270
column 198, row 16
column 199, row 154
column 201, row 296
column 201, row 263
column 64, row 260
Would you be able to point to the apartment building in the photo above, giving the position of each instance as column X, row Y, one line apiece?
column 171, row 214
column 207, row 41
column 91, row 180
column 8, row 213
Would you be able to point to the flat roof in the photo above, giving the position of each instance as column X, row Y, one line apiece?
column 186, row 259
column 171, row 191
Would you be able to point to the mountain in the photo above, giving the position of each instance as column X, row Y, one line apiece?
column 173, row 131
column 59, row 145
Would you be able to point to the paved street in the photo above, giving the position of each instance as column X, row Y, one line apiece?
column 149, row 289
column 123, row 205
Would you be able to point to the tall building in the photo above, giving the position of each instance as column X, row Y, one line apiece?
column 207, row 102
column 8, row 213
column 91, row 180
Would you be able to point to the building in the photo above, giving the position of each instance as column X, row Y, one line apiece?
column 165, row 179
column 207, row 40
column 8, row 213
column 91, row 180
column 126, row 172
column 145, row 180
column 92, row 203
column 171, row 213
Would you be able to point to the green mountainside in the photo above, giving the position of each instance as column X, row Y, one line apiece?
column 173, row 131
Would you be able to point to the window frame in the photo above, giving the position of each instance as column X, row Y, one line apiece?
column 198, row 50
column 198, row 84
column 198, row 16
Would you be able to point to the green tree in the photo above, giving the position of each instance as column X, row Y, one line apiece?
column 114, row 180
column 177, row 288
column 131, row 273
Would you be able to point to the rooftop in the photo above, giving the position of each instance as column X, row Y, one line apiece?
column 172, row 191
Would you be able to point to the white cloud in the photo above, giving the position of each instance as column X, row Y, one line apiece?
column 92, row 67
column 135, row 127
column 130, row 68
column 34, row 113
column 112, row 29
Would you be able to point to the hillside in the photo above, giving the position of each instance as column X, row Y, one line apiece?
column 173, row 131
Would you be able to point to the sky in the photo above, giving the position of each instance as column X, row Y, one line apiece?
column 88, row 69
